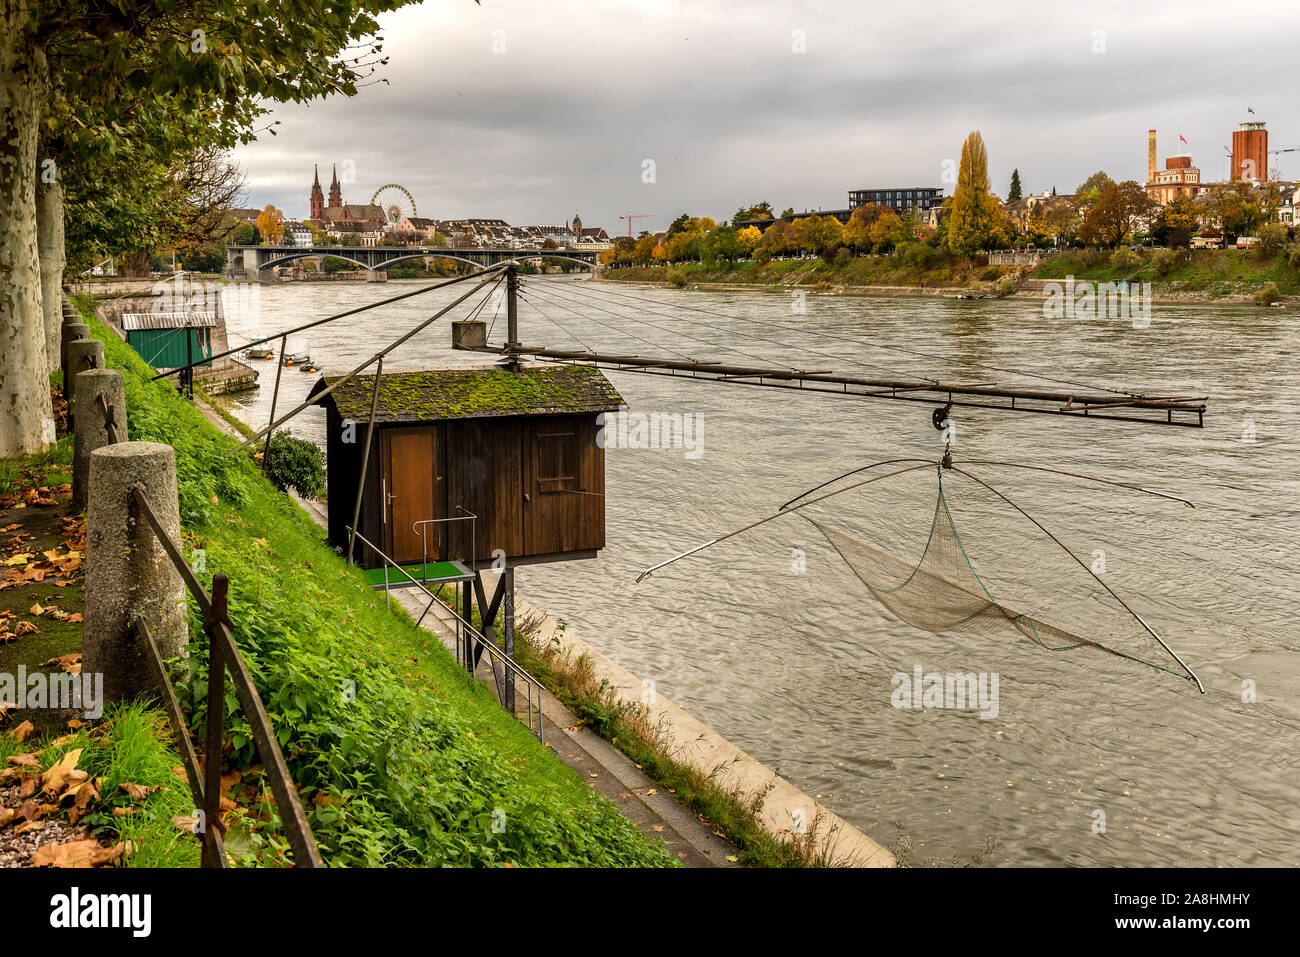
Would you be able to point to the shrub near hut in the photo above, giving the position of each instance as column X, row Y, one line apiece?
column 296, row 464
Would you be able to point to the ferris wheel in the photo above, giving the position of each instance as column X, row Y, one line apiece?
column 397, row 202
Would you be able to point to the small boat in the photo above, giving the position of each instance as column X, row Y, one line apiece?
column 308, row 367
column 258, row 353
column 297, row 359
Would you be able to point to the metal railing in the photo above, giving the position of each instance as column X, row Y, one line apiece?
column 468, row 642
column 223, row 656
column 421, row 527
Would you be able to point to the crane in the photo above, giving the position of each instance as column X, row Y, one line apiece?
column 629, row 216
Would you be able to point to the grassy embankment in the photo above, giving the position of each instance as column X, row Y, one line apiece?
column 818, row 275
column 399, row 757
column 1197, row 275
column 1207, row 274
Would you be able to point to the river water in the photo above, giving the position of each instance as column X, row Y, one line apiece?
column 1091, row 759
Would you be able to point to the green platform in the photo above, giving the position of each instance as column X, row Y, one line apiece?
column 430, row 573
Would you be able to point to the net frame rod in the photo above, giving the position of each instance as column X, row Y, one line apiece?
column 926, row 464
column 338, row 315
column 377, row 357
column 1084, row 565
column 1088, row 478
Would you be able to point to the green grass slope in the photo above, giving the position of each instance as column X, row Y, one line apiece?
column 399, row 757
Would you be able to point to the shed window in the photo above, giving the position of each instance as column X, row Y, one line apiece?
column 557, row 461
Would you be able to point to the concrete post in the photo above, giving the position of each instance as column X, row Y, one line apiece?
column 93, row 433
column 127, row 571
column 71, row 332
column 81, row 355
column 376, row 275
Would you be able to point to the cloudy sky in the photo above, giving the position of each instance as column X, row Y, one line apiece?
column 527, row 110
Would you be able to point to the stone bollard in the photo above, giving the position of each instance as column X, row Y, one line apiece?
column 82, row 354
column 70, row 333
column 127, row 571
column 93, row 432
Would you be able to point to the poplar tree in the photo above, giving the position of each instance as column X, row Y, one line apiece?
column 973, row 217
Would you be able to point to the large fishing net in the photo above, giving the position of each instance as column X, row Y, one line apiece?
column 942, row 591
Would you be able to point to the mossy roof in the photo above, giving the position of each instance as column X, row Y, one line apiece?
column 434, row 395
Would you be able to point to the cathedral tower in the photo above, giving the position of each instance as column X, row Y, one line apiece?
column 336, row 194
column 317, row 198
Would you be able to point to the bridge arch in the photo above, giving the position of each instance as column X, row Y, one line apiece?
column 483, row 258
column 593, row 266
column 486, row 254
column 312, row 254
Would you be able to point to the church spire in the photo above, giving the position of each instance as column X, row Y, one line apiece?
column 317, row 197
column 336, row 193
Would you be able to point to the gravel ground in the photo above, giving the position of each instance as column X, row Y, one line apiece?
column 17, row 850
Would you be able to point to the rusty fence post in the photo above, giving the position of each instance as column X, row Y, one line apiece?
column 216, row 723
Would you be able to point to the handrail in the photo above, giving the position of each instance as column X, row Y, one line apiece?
column 473, row 534
column 508, row 661
column 224, row 654
column 203, row 798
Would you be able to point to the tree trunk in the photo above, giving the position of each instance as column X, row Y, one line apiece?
column 49, row 238
column 134, row 265
column 26, row 415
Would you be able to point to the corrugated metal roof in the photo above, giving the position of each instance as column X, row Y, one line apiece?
column 136, row 321
column 434, row 395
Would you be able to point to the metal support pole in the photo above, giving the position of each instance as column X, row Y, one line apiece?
column 365, row 463
column 508, row 583
column 467, row 612
column 275, row 397
column 512, row 313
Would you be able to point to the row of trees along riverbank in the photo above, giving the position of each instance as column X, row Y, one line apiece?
column 1100, row 214
column 1194, row 275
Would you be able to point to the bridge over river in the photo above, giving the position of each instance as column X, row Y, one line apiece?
column 260, row 261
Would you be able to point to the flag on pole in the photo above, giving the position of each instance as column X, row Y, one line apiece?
column 1181, row 138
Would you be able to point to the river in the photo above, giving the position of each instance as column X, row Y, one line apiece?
column 1091, row 759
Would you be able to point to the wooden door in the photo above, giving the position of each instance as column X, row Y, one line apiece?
column 410, row 471
column 554, row 495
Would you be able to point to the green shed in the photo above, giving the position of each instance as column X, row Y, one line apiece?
column 168, row 340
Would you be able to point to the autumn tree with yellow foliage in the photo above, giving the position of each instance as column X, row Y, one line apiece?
column 974, row 217
column 270, row 224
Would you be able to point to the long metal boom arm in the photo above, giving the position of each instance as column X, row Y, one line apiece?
column 1157, row 410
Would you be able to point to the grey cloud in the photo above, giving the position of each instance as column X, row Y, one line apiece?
column 712, row 92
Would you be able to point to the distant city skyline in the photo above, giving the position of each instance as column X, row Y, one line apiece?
column 528, row 113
